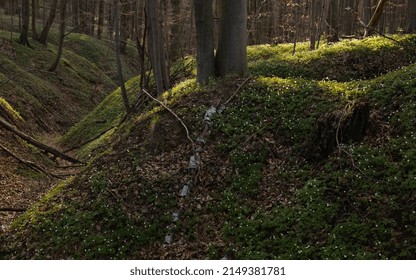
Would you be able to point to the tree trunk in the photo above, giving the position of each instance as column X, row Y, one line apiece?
column 411, row 16
column 156, row 47
column 231, row 56
column 116, row 6
column 45, row 32
column 204, row 20
column 367, row 10
column 175, row 36
column 375, row 18
column 25, row 23
column 333, row 25
column 61, row 35
column 75, row 12
column 34, row 9
column 100, row 18
column 124, row 21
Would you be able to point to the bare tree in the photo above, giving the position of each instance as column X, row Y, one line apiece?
column 61, row 35
column 231, row 56
column 25, row 23
column 375, row 18
column 204, row 21
column 116, row 7
column 34, row 10
column 45, row 32
column 333, row 24
column 156, row 47
column 411, row 16
column 100, row 18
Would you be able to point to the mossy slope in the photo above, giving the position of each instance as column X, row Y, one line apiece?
column 52, row 102
column 259, row 194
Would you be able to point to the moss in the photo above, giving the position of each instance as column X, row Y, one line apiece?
column 344, row 61
column 10, row 109
column 356, row 203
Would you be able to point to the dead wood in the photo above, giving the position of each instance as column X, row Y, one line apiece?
column 173, row 114
column 8, row 209
column 88, row 141
column 36, row 143
column 30, row 164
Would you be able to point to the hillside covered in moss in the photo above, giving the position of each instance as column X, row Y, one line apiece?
column 312, row 156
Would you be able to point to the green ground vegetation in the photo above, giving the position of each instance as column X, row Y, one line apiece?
column 262, row 195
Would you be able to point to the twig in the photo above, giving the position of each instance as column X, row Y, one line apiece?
column 174, row 114
column 88, row 141
column 22, row 72
column 237, row 90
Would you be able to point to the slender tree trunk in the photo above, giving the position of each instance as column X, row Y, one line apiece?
column 110, row 21
column 204, row 20
column 116, row 6
column 333, row 25
column 231, row 56
column 100, row 18
column 367, row 10
column 75, row 12
column 61, row 35
column 45, row 32
column 313, row 23
column 25, row 23
column 34, row 9
column 124, row 21
column 175, row 36
column 156, row 47
column 375, row 18
column 411, row 16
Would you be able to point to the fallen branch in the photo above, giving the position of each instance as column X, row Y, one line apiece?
column 36, row 143
column 173, row 113
column 88, row 141
column 22, row 72
column 237, row 90
column 31, row 164
column 8, row 209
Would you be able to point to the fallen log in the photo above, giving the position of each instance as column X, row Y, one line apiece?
column 7, row 209
column 36, row 143
column 31, row 164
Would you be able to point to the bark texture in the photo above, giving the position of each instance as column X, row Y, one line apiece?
column 204, row 21
column 231, row 56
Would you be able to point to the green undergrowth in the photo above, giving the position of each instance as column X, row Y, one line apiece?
column 81, row 81
column 100, row 123
column 84, row 228
column 103, row 118
column 260, row 195
column 356, row 204
column 344, row 61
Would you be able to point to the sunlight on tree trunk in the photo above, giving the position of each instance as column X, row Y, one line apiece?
column 231, row 56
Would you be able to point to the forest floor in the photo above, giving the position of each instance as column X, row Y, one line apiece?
column 311, row 157
column 44, row 105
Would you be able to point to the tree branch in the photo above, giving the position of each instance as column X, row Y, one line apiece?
column 174, row 114
column 31, row 164
column 36, row 143
column 10, row 209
